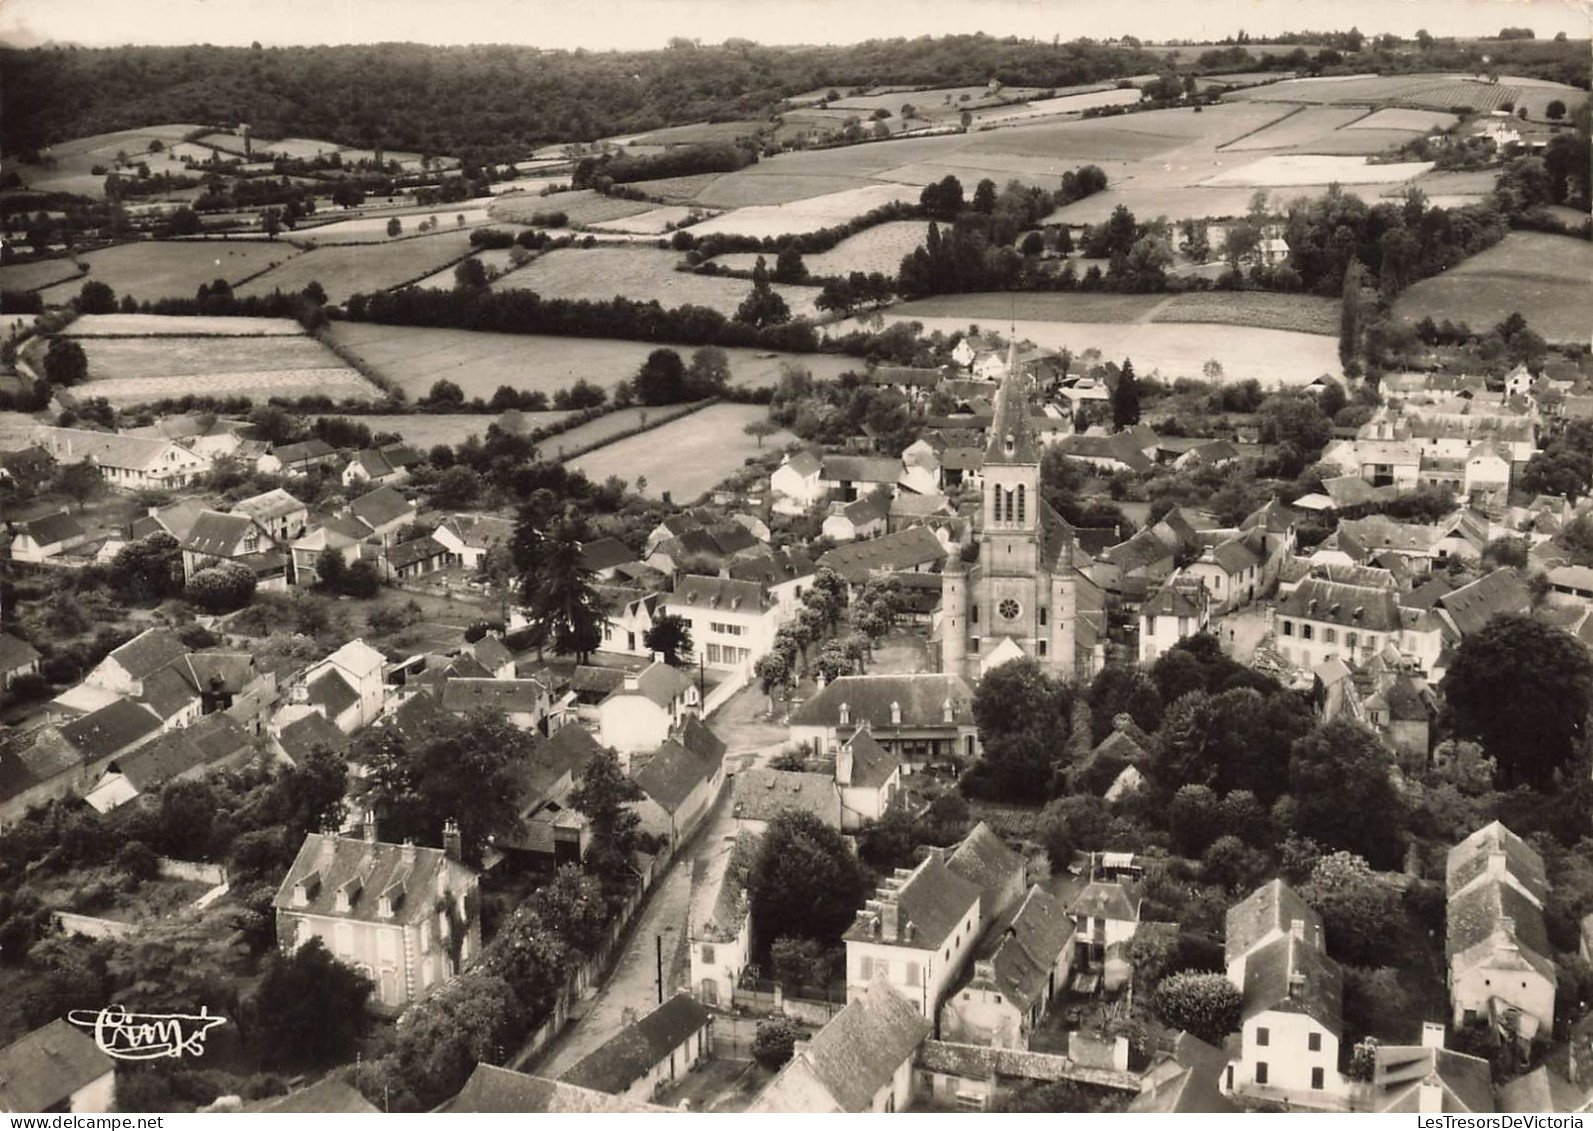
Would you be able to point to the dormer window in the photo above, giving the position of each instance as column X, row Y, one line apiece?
column 846, row 714
column 1011, row 444
column 896, row 714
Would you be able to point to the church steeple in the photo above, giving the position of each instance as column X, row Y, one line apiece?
column 1011, row 439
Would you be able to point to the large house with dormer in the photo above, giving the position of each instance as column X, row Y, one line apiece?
column 732, row 622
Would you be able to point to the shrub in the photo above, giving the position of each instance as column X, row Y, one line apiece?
column 1206, row 1005
column 775, row 1042
column 222, row 588
column 138, row 860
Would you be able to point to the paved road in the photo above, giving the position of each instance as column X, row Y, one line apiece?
column 633, row 983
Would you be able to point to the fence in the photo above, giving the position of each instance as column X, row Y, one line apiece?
column 739, row 677
column 92, row 927
column 192, row 871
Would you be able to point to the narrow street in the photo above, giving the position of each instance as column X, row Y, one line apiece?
column 633, row 983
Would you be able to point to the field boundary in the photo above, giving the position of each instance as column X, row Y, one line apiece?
column 665, row 418
column 357, row 363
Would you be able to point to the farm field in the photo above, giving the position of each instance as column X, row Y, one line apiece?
column 1298, row 170
column 16, row 430
column 803, row 216
column 1065, row 104
column 1306, row 314
column 132, row 358
column 880, row 248
column 180, row 326
column 1396, row 118
column 685, row 457
column 33, row 276
column 582, row 206
column 1272, row 357
column 426, row 430
column 495, row 259
column 156, row 269
column 995, row 309
column 1444, row 92
column 655, row 222
column 1241, row 79
column 259, row 385
column 680, row 190
column 75, row 159
column 1547, row 278
column 1300, row 128
column 641, row 274
column 373, row 229
column 367, row 268
column 532, row 186
column 606, row 427
column 413, row 358
column 700, row 133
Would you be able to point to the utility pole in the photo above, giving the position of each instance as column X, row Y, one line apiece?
column 659, row 941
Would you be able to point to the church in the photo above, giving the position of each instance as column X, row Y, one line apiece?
column 1025, row 592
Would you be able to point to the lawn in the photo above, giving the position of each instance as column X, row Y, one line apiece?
column 180, row 326
column 414, row 358
column 810, row 215
column 1299, row 170
column 684, row 458
column 1545, row 277
column 34, row 276
column 344, row 271
column 157, row 269
column 426, row 430
column 701, row 133
column 1306, row 314
column 880, row 248
column 1065, row 104
column 640, row 274
column 1272, row 357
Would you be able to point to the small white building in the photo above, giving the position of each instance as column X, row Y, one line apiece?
column 639, row 715
column 795, row 484
column 1290, row 1024
column 868, row 777
column 648, row 1054
column 1179, row 610
column 732, row 622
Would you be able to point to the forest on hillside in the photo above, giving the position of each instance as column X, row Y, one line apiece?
column 491, row 103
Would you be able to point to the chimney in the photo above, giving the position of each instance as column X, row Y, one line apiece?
column 1297, row 929
column 948, row 712
column 1296, row 985
column 896, row 714
column 370, row 826
column 1497, row 862
column 1432, row 1035
column 890, row 920
column 846, row 710
column 909, row 929
column 984, row 970
column 658, row 658
column 1430, row 1098
column 632, row 683
column 843, row 765
column 453, row 842
column 799, row 1048
column 407, row 853
column 937, row 853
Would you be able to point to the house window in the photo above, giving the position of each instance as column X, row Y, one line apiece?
column 1263, row 1036
column 973, row 614
column 1314, row 1042
column 1150, row 625
column 1317, row 1079
column 998, row 999
column 1261, row 1072
column 707, row 954
column 387, row 945
column 344, row 936
column 882, row 967
column 1044, row 615
column 1020, row 502
column 1040, row 646
column 1329, row 636
column 1288, row 628
column 1305, row 632
column 865, row 969
column 1349, row 639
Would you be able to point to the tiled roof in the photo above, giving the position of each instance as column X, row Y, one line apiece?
column 1234, row 555
column 984, row 860
column 1118, row 446
column 111, row 729
column 853, row 1057
column 1353, row 606
column 1541, row 1090
column 921, row 696
column 406, row 874
column 760, row 794
column 177, row 519
column 906, row 549
column 291, row 454
column 329, row 1096
column 1273, row 906
column 148, row 652
column 53, row 528
column 507, row 695
column 1142, row 550
column 406, row 554
column 480, row 531
column 860, row 469
column 157, row 762
column 679, row 767
column 605, row 553
column 872, row 764
column 1024, row 950
column 107, row 449
column 1478, row 931
column 1469, row 859
column 804, row 463
column 1399, row 1071
column 1103, row 900
column 904, row 375
column 1173, row 600
column 495, row 1090
column 379, row 507
column 43, row 1068
column 304, row 735
column 633, row 1052
column 866, row 510
column 934, row 900
column 15, row 654
column 701, row 592
column 332, row 691
column 1011, row 438
column 217, row 534
column 1472, row 606
column 275, row 503
column 491, row 652
column 1270, row 983
column 167, row 692
column 773, row 568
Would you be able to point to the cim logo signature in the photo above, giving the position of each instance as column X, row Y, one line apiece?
column 146, row 1036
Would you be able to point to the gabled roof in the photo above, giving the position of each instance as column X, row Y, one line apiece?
column 1234, row 555
column 148, row 652
column 406, row 554
column 15, row 654
column 216, row 534
column 904, row 375
column 168, row 692
column 1102, row 899
column 1495, row 924
column 176, row 519
column 1289, row 975
column 331, row 1095
column 275, row 503
column 680, row 766
column 869, row 509
column 636, row 1049
column 1023, row 946
column 373, row 463
column 379, row 507
column 984, row 860
column 495, row 1090
column 507, row 695
column 932, row 904
column 1274, row 906
column 851, row 1058
column 304, row 450
column 1472, row 606
column 332, row 691
column 1141, row 550
column 872, row 764
column 156, row 763
column 107, row 449
column 803, row 463
column 1399, row 1071
column 53, row 528
column 1119, row 446
column 860, row 469
column 1469, row 859
column 922, row 697
column 658, row 682
column 773, row 568
column 491, row 652
column 722, row 593
column 43, row 1068
column 760, row 794
column 605, row 553
column 480, row 531
column 406, row 873
column 1353, row 606
column 906, row 549
column 111, row 729
column 304, row 735
column 1175, row 600
column 1011, row 438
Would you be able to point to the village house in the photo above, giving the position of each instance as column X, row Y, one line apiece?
column 1501, row 966
column 342, row 533
column 399, row 914
column 704, row 549
column 124, row 669
column 57, row 1069
column 277, row 513
column 732, row 622
column 721, row 943
column 868, row 778
column 866, row 517
column 62, row 759
column 1429, row 1079
column 216, row 537
column 1323, row 619
column 848, row 478
column 410, row 560
column 650, row 1053
column 1106, row 916
column 44, row 539
column 795, row 484
column 1230, row 571
column 17, row 658
column 1185, row 1083
column 922, row 717
column 523, row 702
column 128, row 463
column 1021, row 962
column 1290, row 1022
column 552, row 832
column 785, row 575
column 1180, row 609
column 1119, row 451
column 384, row 512
column 382, row 466
column 471, row 537
column 628, row 615
column 302, row 457
column 680, row 782
column 862, row 1061
column 915, row 933
column 758, row 795
column 347, row 687
column 1135, row 568
column 639, row 715
column 914, row 550
column 501, row 1091
column 176, row 519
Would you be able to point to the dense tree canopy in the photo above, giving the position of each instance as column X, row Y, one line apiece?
column 1339, row 779
column 805, row 882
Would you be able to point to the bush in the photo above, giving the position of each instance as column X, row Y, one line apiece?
column 775, row 1042
column 1205, row 1005
column 222, row 588
column 138, row 860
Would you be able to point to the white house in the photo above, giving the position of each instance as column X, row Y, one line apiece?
column 650, row 1053
column 472, row 536
column 639, row 715
column 680, row 782
column 784, row 574
column 347, row 688
column 276, row 512
column 795, row 484
column 1180, row 609
column 732, row 622
column 1104, row 914
column 48, row 537
column 1017, row 971
column 721, row 945
column 127, row 462
column 1230, row 571
column 1290, row 1022
column 868, row 777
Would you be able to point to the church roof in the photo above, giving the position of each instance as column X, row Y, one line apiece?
column 1011, row 434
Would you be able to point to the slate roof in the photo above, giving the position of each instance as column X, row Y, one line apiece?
column 860, row 469
column 632, row 1052
column 702, row 592
column 804, row 463
column 1119, row 446
column 111, row 729
column 863, row 511
column 1469, row 859
column 15, row 654
column 1353, row 606
column 148, row 652
column 1192, row 1090
column 1271, row 907
column 984, row 860
column 1011, row 435
column 1142, row 550
column 155, row 763
column 1475, row 916
column 379, row 507
column 302, row 736
column 507, row 695
column 922, row 697
column 217, row 534
column 1541, row 1090
column 934, row 899
column 872, row 764
column 604, row 553
column 681, row 765
column 759, row 794
column 773, row 568
column 906, row 549
column 904, row 375
column 1400, row 1070
column 1234, row 556
column 305, row 450
column 853, row 1057
column 53, row 528
column 1472, row 606
column 1104, row 900
column 495, row 1090
column 1024, row 949
column 480, row 531
column 275, row 503
column 1172, row 600
column 491, row 652
column 167, row 692
column 331, row 1095
column 658, row 682
column 406, row 873
column 107, row 448
column 332, row 691
column 45, row 1067
column 1267, row 983
column 177, row 519
column 406, row 554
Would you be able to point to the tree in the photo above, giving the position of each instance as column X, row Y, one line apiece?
column 661, row 379
column 671, row 635
column 456, row 488
column 1350, row 318
column 221, row 588
column 788, row 266
column 470, row 273
column 1360, row 913
column 762, row 306
column 943, row 199
column 96, row 298
column 148, row 569
column 556, row 587
column 1523, row 689
column 775, row 1040
column 395, row 226
column 709, row 372
column 1555, row 110
column 984, row 197
column 1206, row 1006
column 65, row 363
column 602, row 796
column 1339, row 779
column 773, row 670
column 761, row 428
column 1125, row 398
column 463, row 773
column 1023, row 722
column 309, row 1012
column 80, row 482
column 805, row 882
